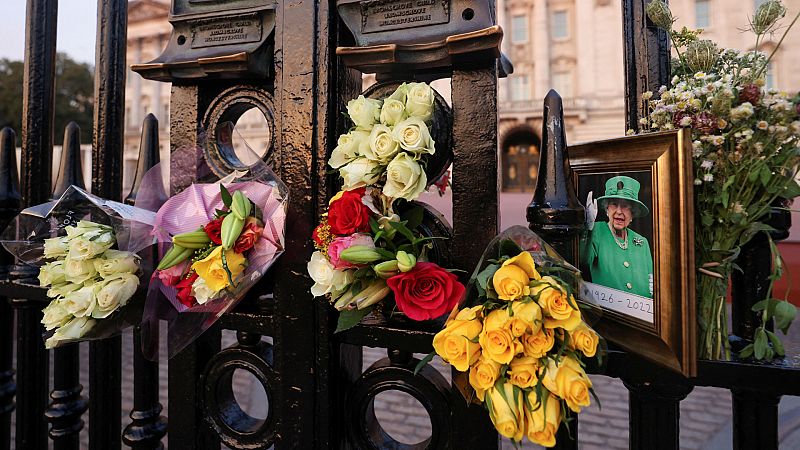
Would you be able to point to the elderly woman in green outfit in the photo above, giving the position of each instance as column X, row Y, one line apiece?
column 616, row 256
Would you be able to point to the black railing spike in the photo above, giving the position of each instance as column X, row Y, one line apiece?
column 148, row 154
column 555, row 211
column 70, row 170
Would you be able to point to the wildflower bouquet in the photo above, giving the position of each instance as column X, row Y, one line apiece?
column 745, row 141
column 217, row 238
column 524, row 341
column 367, row 243
column 86, row 250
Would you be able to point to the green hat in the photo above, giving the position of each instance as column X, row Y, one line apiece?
column 625, row 188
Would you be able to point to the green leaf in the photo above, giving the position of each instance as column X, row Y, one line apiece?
column 766, row 175
column 760, row 306
column 227, row 198
column 413, row 217
column 776, row 343
column 424, row 362
column 402, row 229
column 386, row 254
column 374, row 225
column 746, row 352
column 509, row 248
column 350, row 318
column 760, row 344
column 486, row 274
column 785, row 313
column 791, row 190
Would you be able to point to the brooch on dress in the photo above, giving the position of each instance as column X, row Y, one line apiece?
column 638, row 241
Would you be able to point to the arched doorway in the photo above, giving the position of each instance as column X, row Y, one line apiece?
column 520, row 159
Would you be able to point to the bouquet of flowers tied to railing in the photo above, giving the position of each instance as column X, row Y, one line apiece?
column 368, row 247
column 745, row 147
column 219, row 238
column 522, row 338
column 86, row 249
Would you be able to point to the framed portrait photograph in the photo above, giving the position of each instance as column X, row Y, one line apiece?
column 636, row 252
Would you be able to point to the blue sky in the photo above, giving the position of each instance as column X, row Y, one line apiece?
column 77, row 20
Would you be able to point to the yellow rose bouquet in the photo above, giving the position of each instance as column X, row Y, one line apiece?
column 523, row 340
column 85, row 249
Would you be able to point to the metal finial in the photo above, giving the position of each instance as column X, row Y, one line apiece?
column 70, row 171
column 148, row 154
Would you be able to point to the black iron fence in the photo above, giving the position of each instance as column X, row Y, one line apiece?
column 319, row 397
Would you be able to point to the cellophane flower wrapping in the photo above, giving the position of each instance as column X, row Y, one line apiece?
column 521, row 340
column 180, row 295
column 92, row 255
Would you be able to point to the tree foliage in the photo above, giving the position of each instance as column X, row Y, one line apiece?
column 74, row 96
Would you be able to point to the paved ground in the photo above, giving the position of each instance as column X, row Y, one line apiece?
column 705, row 414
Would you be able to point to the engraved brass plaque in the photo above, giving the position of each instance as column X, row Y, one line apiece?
column 225, row 31
column 383, row 15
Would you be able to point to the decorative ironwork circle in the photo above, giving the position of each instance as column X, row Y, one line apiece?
column 229, row 106
column 236, row 428
column 428, row 387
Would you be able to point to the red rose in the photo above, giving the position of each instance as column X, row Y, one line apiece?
column 249, row 236
column 185, row 290
column 214, row 230
column 348, row 215
column 426, row 292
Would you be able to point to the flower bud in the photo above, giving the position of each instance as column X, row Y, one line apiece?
column 240, row 205
column 387, row 269
column 658, row 12
column 374, row 293
column 405, row 261
column 701, row 55
column 360, row 254
column 766, row 15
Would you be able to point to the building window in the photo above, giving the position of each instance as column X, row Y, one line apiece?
column 702, row 14
column 520, row 89
column 560, row 25
column 519, row 29
column 562, row 83
column 770, row 77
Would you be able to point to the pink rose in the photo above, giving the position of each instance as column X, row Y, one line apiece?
column 341, row 243
column 172, row 276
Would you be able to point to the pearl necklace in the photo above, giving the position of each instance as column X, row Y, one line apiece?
column 624, row 244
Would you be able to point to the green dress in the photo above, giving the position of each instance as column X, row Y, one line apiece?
column 627, row 270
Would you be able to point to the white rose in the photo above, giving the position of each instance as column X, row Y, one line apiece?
column 55, row 315
column 327, row 280
column 63, row 289
column 52, row 273
column 202, row 292
column 81, row 248
column 359, row 173
column 81, row 303
column 114, row 293
column 393, row 111
column 74, row 329
column 349, row 147
column 55, row 247
column 78, row 271
column 364, row 112
column 419, row 102
column 115, row 261
column 89, row 230
column 400, row 94
column 414, row 136
column 382, row 145
column 404, row 178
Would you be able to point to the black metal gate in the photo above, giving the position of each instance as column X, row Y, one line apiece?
column 284, row 337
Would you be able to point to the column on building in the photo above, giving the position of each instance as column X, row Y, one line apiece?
column 541, row 49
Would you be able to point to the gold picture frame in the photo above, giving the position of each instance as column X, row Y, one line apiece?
column 663, row 162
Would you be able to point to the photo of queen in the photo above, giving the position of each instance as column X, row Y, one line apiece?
column 616, row 256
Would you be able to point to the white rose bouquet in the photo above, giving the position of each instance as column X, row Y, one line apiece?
column 86, row 251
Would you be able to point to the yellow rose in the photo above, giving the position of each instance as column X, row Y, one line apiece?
column 568, row 381
column 584, row 339
column 541, row 422
column 511, row 283
column 523, row 370
column 570, row 323
column 537, row 345
column 482, row 375
column 554, row 302
column 496, row 339
column 525, row 262
column 213, row 272
column 454, row 343
column 507, row 410
column 527, row 318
